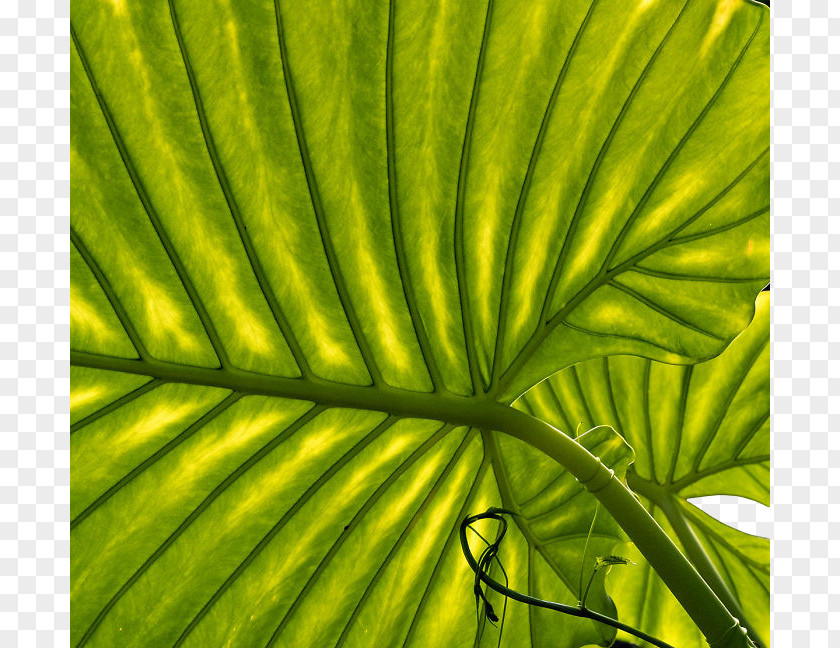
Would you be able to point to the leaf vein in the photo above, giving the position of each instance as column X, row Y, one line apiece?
column 507, row 276
column 205, row 503
column 154, row 458
column 447, row 545
column 318, row 209
column 116, row 404
column 662, row 311
column 460, row 271
column 140, row 189
column 726, row 405
column 287, row 516
column 233, row 206
column 596, row 166
column 405, row 533
column 418, row 453
column 616, row 246
column 110, row 294
column 694, row 278
column 396, row 225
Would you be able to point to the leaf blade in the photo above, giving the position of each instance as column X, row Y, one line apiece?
column 238, row 184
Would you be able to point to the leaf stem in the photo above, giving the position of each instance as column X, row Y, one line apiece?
column 679, row 575
column 662, row 498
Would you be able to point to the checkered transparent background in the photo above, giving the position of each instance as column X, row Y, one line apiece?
column 34, row 338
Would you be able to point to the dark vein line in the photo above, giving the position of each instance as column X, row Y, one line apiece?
column 596, row 167
column 617, row 336
column 527, row 407
column 582, row 395
column 491, row 444
column 110, row 295
column 280, row 525
column 568, row 497
column 717, row 230
column 466, row 317
column 643, row 600
column 686, row 386
column 672, row 239
column 567, row 422
column 749, row 564
column 648, row 427
column 551, row 482
column 765, row 586
column 695, row 278
column 714, row 535
column 566, row 580
column 751, row 435
column 759, row 580
column 755, row 571
column 446, row 547
column 694, row 477
column 570, row 424
column 733, row 586
column 527, row 351
column 154, row 458
column 611, row 394
column 396, row 225
column 507, row 276
column 140, row 189
column 532, row 591
column 727, row 574
column 418, row 453
column 405, row 533
column 318, row 209
column 534, row 343
column 221, row 176
column 115, row 404
column 206, row 502
column 725, row 409
column 662, row 311
column 675, row 152
column 563, row 537
column 765, row 485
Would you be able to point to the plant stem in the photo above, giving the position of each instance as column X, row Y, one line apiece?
column 588, row 585
column 665, row 500
column 707, row 611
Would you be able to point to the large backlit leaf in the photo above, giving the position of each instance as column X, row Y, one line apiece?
column 697, row 431
column 289, row 217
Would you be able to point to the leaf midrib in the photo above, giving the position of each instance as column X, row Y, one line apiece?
column 478, row 411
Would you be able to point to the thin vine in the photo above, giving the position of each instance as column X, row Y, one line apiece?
column 482, row 569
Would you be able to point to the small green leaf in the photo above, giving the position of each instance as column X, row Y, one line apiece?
column 605, row 561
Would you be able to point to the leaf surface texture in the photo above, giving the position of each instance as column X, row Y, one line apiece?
column 276, row 202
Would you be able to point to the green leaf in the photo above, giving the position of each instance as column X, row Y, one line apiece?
column 607, row 561
column 308, row 241
column 700, row 430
